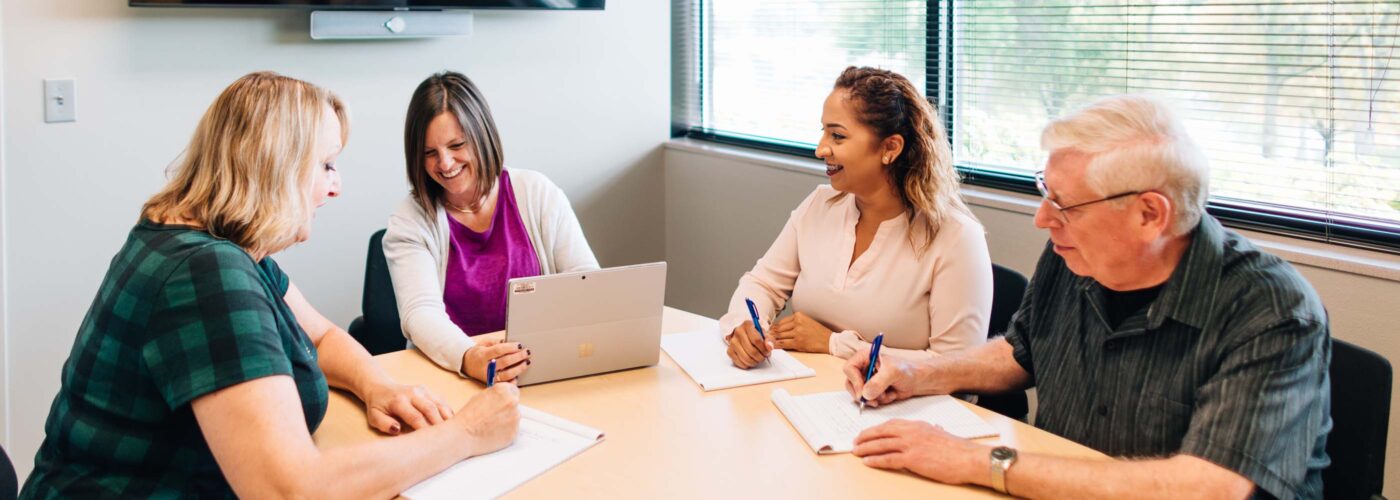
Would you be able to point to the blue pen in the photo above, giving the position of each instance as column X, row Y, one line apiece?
column 753, row 313
column 491, row 373
column 870, row 369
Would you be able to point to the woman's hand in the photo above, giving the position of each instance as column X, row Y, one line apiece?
column 800, row 332
column 492, row 417
column 511, row 360
column 387, row 405
column 746, row 348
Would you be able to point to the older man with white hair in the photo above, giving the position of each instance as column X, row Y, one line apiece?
column 1150, row 332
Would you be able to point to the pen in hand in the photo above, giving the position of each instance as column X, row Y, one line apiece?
column 491, row 373
column 753, row 313
column 870, row 368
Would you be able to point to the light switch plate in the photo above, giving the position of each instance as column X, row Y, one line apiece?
column 60, row 101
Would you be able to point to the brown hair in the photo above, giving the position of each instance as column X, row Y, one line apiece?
column 246, row 171
column 450, row 92
column 923, row 173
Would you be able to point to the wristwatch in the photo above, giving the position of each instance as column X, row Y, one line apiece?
column 1002, row 458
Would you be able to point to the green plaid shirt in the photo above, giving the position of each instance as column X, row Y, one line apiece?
column 179, row 315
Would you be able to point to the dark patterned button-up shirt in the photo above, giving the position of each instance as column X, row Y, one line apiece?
column 1228, row 364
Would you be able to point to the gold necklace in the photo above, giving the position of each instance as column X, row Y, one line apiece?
column 465, row 210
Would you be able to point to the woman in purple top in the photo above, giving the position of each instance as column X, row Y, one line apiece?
column 480, row 261
column 467, row 228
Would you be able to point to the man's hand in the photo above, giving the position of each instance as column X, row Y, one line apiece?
column 894, row 379
column 926, row 450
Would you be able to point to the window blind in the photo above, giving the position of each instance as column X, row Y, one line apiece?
column 1295, row 102
column 766, row 66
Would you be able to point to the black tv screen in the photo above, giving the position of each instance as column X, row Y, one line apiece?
column 382, row 4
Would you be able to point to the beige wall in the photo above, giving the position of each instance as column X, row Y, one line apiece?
column 724, row 207
column 144, row 76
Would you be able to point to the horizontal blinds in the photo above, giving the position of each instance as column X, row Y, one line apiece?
column 767, row 65
column 685, row 65
column 1296, row 103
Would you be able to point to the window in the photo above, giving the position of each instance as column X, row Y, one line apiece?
column 1295, row 102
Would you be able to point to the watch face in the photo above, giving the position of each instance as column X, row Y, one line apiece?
column 1003, row 453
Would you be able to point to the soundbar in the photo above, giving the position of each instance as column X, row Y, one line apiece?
column 349, row 25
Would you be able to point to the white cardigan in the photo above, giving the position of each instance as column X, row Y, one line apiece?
column 417, row 245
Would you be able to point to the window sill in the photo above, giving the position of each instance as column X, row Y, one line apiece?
column 1298, row 251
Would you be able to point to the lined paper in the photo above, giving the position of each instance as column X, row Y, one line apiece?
column 830, row 421
column 702, row 355
column 543, row 442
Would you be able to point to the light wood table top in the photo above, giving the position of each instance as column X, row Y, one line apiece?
column 666, row 438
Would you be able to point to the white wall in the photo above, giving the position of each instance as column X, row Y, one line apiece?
column 724, row 207
column 581, row 96
column 4, row 350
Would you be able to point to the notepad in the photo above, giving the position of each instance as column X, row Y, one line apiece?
column 702, row 355
column 829, row 421
column 543, row 442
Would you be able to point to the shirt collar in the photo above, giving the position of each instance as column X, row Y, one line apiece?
column 1189, row 295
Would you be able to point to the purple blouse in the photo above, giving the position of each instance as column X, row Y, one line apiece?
column 479, row 264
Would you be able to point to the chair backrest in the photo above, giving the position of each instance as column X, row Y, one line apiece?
column 9, row 482
column 1007, row 289
column 379, row 329
column 1360, row 416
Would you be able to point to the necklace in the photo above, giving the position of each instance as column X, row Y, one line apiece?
column 471, row 208
column 465, row 210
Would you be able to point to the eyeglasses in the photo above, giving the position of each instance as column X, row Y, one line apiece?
column 1059, row 213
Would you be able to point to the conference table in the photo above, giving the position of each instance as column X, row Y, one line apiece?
column 666, row 438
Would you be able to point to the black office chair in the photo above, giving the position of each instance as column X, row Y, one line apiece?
column 1007, row 288
column 9, row 482
column 378, row 329
column 1360, row 416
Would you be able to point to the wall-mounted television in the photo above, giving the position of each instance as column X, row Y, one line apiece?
column 382, row 4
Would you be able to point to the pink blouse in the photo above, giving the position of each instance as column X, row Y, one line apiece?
column 926, row 303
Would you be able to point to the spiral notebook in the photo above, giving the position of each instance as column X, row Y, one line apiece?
column 543, row 442
column 829, row 421
column 702, row 355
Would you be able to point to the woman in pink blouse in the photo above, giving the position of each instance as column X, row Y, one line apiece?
column 889, row 247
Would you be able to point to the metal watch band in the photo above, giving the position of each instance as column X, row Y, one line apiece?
column 999, row 466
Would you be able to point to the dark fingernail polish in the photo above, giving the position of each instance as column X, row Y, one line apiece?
column 527, row 352
column 519, row 346
column 527, row 361
column 394, row 429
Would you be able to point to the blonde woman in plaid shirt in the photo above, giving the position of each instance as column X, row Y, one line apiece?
column 201, row 370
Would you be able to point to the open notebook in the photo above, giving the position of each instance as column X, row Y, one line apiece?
column 829, row 421
column 702, row 355
column 543, row 442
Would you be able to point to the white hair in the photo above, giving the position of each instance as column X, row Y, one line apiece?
column 1136, row 143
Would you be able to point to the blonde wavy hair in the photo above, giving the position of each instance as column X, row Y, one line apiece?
column 245, row 175
column 923, row 173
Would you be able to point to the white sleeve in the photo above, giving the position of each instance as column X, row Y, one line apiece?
column 418, row 291
column 845, row 343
